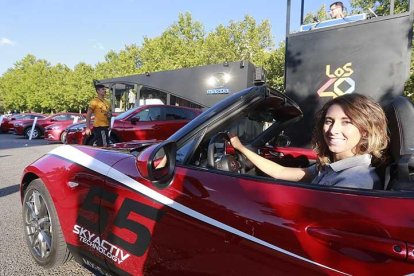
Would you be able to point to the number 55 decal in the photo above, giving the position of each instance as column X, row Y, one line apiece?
column 143, row 234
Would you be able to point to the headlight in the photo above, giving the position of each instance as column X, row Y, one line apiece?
column 18, row 124
column 52, row 128
column 76, row 129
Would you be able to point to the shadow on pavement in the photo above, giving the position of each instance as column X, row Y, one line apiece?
column 9, row 141
column 9, row 190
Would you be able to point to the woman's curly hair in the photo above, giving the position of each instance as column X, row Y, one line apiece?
column 366, row 115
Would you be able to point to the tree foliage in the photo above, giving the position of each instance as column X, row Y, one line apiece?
column 320, row 15
column 119, row 64
column 177, row 47
column 80, row 88
column 186, row 44
column 381, row 7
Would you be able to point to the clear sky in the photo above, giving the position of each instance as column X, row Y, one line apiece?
column 73, row 31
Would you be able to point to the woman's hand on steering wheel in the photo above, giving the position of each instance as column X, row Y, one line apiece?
column 225, row 161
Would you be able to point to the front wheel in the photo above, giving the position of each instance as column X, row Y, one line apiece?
column 35, row 135
column 42, row 229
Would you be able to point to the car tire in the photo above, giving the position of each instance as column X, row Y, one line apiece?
column 36, row 133
column 42, row 229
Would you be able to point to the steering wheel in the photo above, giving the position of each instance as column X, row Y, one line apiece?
column 222, row 160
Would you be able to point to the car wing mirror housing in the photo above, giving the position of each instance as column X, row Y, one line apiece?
column 134, row 120
column 157, row 163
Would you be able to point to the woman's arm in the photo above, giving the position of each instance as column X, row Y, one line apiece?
column 269, row 167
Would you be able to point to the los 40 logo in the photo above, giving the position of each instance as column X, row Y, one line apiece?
column 337, row 77
column 112, row 246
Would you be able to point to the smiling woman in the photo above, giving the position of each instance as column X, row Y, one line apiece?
column 349, row 131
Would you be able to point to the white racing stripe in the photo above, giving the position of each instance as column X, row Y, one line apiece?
column 74, row 155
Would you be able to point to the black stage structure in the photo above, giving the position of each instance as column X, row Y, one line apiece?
column 200, row 86
column 370, row 57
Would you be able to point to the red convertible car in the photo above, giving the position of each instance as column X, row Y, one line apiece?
column 192, row 205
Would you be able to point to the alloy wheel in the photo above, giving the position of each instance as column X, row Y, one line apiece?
column 38, row 227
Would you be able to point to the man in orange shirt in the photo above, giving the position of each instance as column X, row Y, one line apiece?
column 100, row 107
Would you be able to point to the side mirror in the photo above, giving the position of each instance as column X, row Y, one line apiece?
column 134, row 120
column 157, row 163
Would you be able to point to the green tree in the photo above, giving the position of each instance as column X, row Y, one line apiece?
column 245, row 40
column 23, row 85
column 57, row 89
column 80, row 87
column 119, row 64
column 381, row 7
column 177, row 47
column 185, row 44
column 275, row 68
column 320, row 15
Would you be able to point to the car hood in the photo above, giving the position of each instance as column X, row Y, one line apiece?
column 62, row 124
column 80, row 124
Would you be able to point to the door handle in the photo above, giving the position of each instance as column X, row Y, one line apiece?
column 392, row 248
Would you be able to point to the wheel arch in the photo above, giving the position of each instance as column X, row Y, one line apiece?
column 27, row 178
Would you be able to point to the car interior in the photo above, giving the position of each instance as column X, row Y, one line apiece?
column 261, row 129
column 399, row 172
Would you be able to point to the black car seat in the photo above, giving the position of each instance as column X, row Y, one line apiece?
column 400, row 115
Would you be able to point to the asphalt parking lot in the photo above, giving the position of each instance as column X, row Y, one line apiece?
column 15, row 154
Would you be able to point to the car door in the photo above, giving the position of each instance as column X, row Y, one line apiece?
column 294, row 227
column 215, row 222
column 175, row 118
column 143, row 125
column 53, row 119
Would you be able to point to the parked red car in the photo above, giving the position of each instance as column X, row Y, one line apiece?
column 23, row 127
column 75, row 134
column 192, row 205
column 141, row 123
column 8, row 122
column 56, row 132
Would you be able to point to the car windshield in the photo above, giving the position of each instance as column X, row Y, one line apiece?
column 257, row 122
column 126, row 113
column 251, row 122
